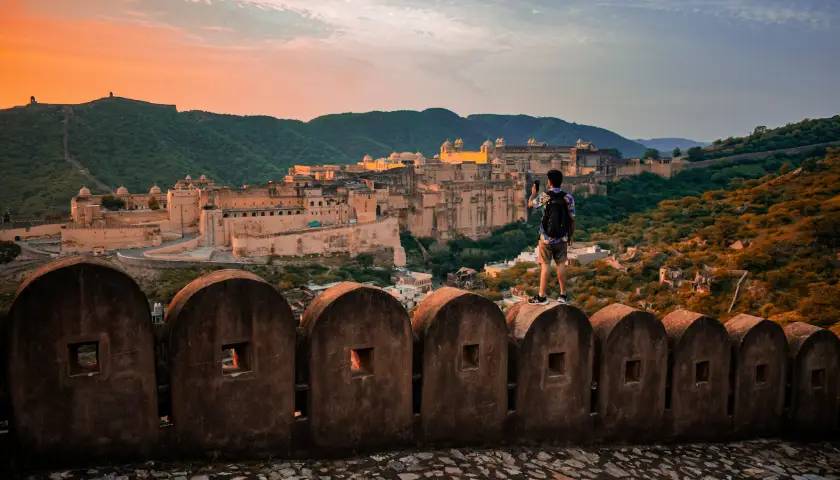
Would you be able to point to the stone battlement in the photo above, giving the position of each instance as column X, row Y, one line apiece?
column 235, row 373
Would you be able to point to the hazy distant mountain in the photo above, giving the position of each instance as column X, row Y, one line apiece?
column 668, row 144
column 134, row 143
column 380, row 133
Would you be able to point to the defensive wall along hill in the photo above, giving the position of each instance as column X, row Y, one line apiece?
column 89, row 377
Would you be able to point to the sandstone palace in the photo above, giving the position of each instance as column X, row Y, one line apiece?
column 340, row 209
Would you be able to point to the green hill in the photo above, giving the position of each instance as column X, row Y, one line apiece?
column 792, row 135
column 133, row 143
column 34, row 175
column 624, row 198
column 783, row 229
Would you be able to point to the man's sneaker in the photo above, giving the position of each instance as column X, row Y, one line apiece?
column 538, row 300
column 563, row 299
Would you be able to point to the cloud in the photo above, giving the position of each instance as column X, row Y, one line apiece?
column 606, row 62
column 816, row 14
column 233, row 23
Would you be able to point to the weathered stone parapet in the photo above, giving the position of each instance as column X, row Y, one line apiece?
column 813, row 376
column 357, row 373
column 555, row 348
column 758, row 389
column 698, row 383
column 358, row 341
column 465, row 358
column 232, row 357
column 632, row 355
column 81, row 364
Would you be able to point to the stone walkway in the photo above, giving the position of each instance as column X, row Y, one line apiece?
column 764, row 459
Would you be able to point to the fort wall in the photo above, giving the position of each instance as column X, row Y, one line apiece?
column 359, row 372
column 665, row 169
column 85, row 239
column 133, row 217
column 24, row 233
column 352, row 239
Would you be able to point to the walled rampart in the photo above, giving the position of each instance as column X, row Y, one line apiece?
column 237, row 375
column 77, row 239
column 352, row 239
column 25, row 233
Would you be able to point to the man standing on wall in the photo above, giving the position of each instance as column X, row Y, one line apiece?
column 556, row 229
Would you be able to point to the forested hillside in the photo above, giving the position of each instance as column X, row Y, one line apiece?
column 668, row 144
column 624, row 198
column 133, row 143
column 782, row 229
column 806, row 132
column 34, row 175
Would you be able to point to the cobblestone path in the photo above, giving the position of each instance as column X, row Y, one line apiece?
column 764, row 459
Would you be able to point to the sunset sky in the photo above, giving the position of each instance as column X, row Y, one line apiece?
column 696, row 68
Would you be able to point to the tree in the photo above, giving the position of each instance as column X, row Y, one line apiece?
column 785, row 168
column 8, row 251
column 695, row 154
column 651, row 153
column 676, row 152
column 112, row 203
column 154, row 204
column 612, row 151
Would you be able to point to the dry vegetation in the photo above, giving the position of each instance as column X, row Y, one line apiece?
column 790, row 222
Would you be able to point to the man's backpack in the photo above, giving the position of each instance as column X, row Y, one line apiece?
column 556, row 220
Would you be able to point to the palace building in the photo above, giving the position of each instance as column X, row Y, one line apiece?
column 343, row 209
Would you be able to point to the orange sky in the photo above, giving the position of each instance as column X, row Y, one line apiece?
column 641, row 68
column 75, row 60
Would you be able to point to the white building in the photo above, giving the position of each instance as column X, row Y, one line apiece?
column 494, row 269
column 587, row 254
column 421, row 280
column 408, row 295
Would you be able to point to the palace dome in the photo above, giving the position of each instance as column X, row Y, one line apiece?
column 202, row 178
column 84, row 192
column 155, row 190
column 122, row 190
column 188, row 178
column 367, row 158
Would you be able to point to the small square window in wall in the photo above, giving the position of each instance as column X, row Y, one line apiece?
column 701, row 371
column 556, row 364
column 236, row 358
column 818, row 378
column 84, row 359
column 632, row 371
column 469, row 357
column 761, row 373
column 361, row 362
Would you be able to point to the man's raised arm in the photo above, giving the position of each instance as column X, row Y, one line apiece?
column 532, row 200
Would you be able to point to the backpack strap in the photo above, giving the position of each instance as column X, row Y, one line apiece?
column 557, row 197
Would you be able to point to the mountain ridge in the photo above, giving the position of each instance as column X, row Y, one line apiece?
column 136, row 143
column 667, row 144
